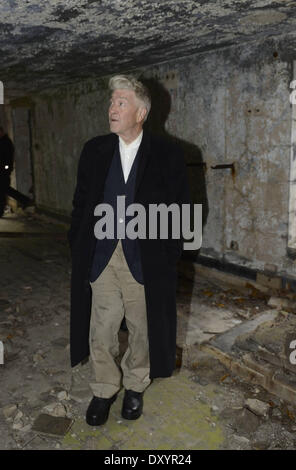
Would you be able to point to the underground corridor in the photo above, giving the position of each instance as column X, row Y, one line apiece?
column 221, row 78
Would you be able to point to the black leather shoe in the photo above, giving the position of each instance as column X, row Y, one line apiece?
column 132, row 406
column 98, row 410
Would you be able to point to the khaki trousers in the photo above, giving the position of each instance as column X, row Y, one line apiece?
column 116, row 294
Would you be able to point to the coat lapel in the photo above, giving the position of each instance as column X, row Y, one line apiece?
column 144, row 151
column 103, row 158
column 105, row 153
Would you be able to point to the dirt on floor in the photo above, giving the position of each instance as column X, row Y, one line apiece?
column 203, row 406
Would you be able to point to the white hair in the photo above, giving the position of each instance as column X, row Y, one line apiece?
column 129, row 82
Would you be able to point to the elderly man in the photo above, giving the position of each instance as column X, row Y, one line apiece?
column 121, row 277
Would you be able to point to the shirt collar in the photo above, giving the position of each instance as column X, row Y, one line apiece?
column 135, row 143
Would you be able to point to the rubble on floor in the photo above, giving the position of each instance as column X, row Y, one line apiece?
column 205, row 405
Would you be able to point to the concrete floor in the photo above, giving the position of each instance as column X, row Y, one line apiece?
column 202, row 406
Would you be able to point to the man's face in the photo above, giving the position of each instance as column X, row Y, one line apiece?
column 126, row 114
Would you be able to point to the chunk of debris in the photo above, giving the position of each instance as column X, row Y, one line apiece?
column 63, row 395
column 55, row 409
column 282, row 303
column 18, row 416
column 9, row 411
column 258, row 407
column 17, row 426
column 52, row 425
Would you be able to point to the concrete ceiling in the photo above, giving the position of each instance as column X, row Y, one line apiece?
column 46, row 44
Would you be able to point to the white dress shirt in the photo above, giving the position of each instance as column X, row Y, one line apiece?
column 128, row 153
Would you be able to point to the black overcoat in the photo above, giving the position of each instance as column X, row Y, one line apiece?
column 161, row 178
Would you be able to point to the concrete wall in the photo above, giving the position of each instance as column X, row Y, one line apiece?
column 226, row 107
column 62, row 121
